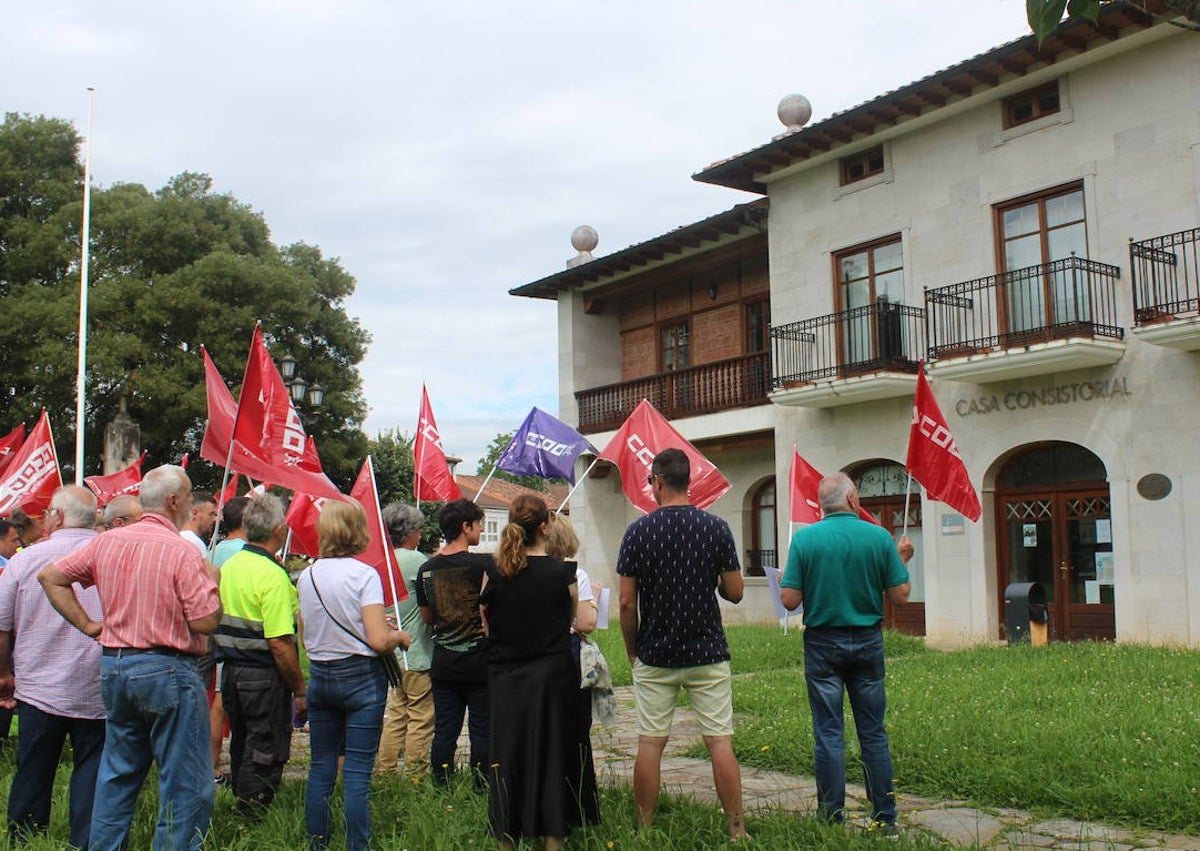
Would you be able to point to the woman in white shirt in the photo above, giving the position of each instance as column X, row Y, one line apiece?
column 563, row 543
column 345, row 631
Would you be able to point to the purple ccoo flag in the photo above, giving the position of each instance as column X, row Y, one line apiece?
column 544, row 446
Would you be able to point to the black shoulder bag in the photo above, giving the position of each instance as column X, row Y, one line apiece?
column 388, row 660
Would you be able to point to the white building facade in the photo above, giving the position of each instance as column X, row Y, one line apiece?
column 1028, row 223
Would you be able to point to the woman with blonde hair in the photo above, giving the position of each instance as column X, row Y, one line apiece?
column 345, row 631
column 529, row 601
column 562, row 543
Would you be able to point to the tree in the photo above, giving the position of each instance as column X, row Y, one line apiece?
column 171, row 270
column 1045, row 16
column 395, row 468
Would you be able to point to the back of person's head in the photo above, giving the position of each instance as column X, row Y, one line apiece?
column 200, row 498
column 834, row 492
column 232, row 512
column 262, row 517
column 561, row 540
column 77, row 504
column 454, row 514
column 6, row 526
column 401, row 521
column 121, row 510
column 160, row 484
column 25, row 524
column 342, row 529
column 674, row 468
column 527, row 516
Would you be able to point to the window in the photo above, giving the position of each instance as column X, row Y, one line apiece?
column 1031, row 105
column 762, row 530
column 861, row 165
column 868, row 275
column 757, row 327
column 674, row 346
column 1034, row 231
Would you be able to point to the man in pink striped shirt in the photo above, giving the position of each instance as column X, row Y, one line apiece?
column 160, row 602
column 57, row 671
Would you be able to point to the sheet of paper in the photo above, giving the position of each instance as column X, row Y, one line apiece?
column 1091, row 592
column 1103, row 531
column 602, row 611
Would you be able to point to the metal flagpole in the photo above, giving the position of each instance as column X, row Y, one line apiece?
column 479, row 493
column 85, row 240
column 571, row 492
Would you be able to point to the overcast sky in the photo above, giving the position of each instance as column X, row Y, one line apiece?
column 445, row 150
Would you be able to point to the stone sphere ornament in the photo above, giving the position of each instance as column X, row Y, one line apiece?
column 794, row 111
column 584, row 238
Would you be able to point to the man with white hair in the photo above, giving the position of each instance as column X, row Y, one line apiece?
column 160, row 603
column 256, row 643
column 57, row 670
column 121, row 511
column 841, row 569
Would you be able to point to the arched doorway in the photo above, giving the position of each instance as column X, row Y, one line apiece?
column 881, row 489
column 1054, row 526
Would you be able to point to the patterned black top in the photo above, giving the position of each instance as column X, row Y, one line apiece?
column 676, row 553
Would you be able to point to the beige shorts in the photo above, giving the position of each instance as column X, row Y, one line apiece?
column 709, row 691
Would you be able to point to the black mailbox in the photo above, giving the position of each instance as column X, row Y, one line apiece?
column 1025, row 614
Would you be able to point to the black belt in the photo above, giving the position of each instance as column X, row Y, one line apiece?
column 138, row 651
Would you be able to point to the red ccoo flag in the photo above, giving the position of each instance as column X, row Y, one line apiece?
column 933, row 458
column 9, row 444
column 805, row 494
column 434, row 482
column 643, row 435
column 32, row 475
column 229, row 493
column 222, row 412
column 380, row 554
column 127, row 481
column 270, row 443
column 301, row 518
column 805, row 507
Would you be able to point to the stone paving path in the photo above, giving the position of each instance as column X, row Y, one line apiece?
column 954, row 822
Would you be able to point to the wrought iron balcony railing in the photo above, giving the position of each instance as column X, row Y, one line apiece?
column 1075, row 297
column 757, row 560
column 880, row 336
column 1166, row 276
column 711, row 387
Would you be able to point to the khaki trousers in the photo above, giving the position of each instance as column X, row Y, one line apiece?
column 407, row 725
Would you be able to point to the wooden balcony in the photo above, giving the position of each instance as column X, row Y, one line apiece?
column 1032, row 321
column 719, row 386
column 1166, row 289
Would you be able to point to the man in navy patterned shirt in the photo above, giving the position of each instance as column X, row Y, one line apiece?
column 671, row 562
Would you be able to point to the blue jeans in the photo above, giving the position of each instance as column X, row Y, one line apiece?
column 40, row 747
column 345, row 705
column 451, row 700
column 848, row 660
column 157, row 710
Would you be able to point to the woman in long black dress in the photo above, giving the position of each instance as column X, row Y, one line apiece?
column 529, row 600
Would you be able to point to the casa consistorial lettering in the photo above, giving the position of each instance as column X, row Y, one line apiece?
column 1044, row 397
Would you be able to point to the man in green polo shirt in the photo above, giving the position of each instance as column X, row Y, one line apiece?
column 841, row 569
column 257, row 643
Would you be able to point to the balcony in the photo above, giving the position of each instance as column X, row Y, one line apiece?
column 1166, row 289
column 758, row 560
column 1033, row 321
column 718, row 386
column 857, row 355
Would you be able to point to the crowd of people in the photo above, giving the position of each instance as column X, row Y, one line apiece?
column 161, row 644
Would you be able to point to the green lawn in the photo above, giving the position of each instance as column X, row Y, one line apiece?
column 1091, row 731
